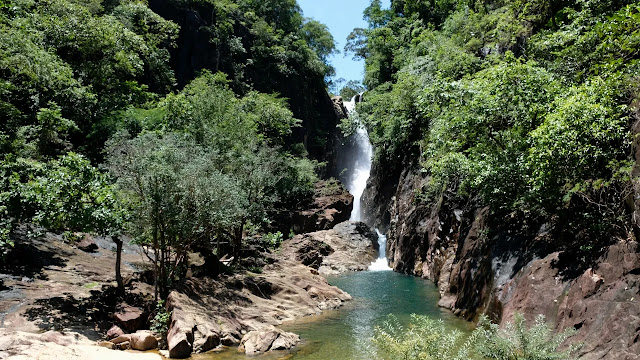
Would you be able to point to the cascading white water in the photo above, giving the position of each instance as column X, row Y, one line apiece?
column 360, row 170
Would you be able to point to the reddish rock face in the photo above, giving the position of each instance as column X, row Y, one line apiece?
column 130, row 318
column 512, row 271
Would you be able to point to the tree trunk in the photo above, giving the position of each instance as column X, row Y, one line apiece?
column 119, row 281
column 237, row 243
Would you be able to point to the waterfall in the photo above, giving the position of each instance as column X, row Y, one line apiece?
column 359, row 167
column 381, row 263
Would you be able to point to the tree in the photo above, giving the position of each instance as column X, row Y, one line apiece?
column 65, row 194
column 351, row 89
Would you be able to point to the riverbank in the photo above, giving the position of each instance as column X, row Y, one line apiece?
column 72, row 295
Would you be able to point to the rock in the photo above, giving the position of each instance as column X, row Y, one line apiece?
column 331, row 205
column 180, row 335
column 208, row 312
column 121, row 339
column 107, row 344
column 114, row 332
column 68, row 346
column 267, row 339
column 205, row 338
column 338, row 106
column 143, row 341
column 125, row 345
column 87, row 244
column 129, row 317
column 349, row 246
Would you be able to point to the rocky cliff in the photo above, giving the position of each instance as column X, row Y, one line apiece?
column 483, row 262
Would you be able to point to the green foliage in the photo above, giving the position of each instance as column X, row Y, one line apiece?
column 273, row 239
column 518, row 341
column 522, row 106
column 205, row 167
column 70, row 65
column 428, row 339
column 423, row 339
column 351, row 89
column 63, row 194
column 161, row 320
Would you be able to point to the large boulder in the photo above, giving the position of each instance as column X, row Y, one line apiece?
column 268, row 338
column 143, row 341
column 191, row 330
column 331, row 205
column 130, row 318
column 349, row 246
column 180, row 336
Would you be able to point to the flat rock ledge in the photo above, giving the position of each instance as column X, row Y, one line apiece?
column 53, row 345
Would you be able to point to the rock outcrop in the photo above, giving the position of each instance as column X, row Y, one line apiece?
column 142, row 340
column 338, row 107
column 518, row 266
column 349, row 246
column 331, row 205
column 266, row 339
column 207, row 312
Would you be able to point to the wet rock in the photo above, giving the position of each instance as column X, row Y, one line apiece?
column 114, row 332
column 129, row 317
column 267, row 339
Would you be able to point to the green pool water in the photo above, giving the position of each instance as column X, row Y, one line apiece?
column 345, row 334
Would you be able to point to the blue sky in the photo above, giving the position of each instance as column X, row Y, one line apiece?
column 341, row 16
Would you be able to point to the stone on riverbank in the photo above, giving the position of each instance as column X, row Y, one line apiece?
column 267, row 339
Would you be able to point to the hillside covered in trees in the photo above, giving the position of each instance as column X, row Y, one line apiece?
column 112, row 125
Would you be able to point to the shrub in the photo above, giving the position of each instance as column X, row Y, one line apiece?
column 426, row 338
column 162, row 319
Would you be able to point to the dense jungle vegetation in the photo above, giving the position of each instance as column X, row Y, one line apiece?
column 106, row 128
column 524, row 106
